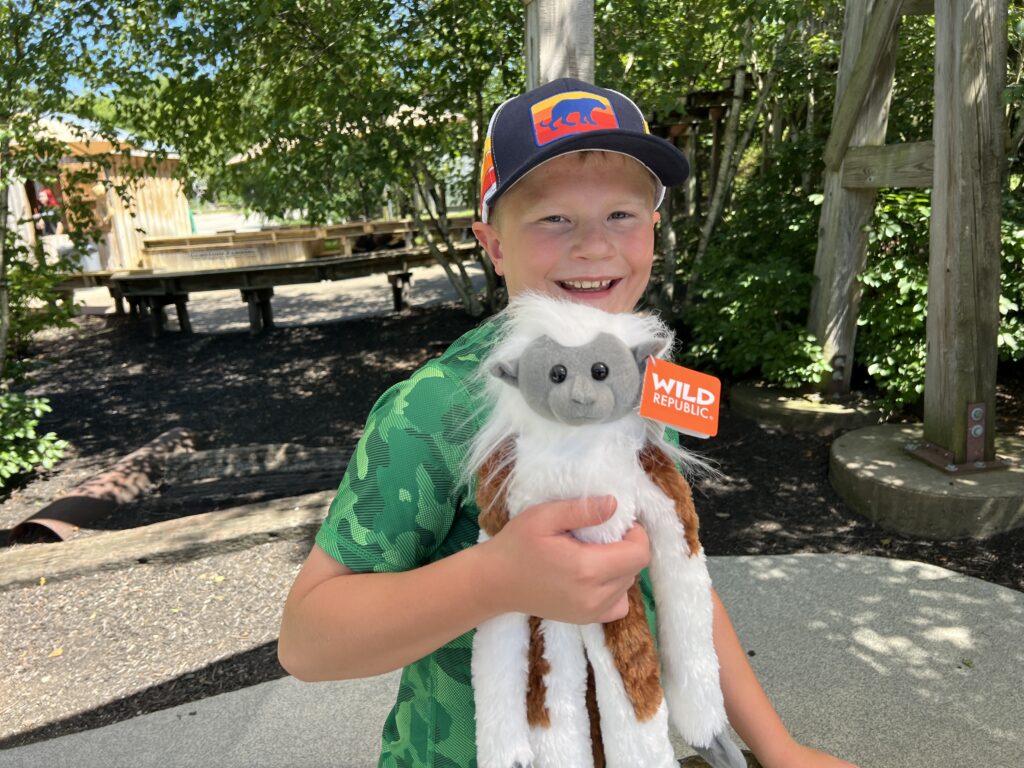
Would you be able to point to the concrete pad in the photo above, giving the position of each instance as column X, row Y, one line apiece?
column 280, row 723
column 877, row 478
column 886, row 663
column 802, row 411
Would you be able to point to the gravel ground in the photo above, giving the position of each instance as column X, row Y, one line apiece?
column 102, row 648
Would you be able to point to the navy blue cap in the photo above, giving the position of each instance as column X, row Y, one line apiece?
column 565, row 116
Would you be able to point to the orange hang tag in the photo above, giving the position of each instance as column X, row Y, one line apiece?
column 685, row 400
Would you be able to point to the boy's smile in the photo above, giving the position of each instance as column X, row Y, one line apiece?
column 581, row 227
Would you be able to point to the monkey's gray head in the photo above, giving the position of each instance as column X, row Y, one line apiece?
column 589, row 384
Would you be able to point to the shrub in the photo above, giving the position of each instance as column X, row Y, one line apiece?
column 893, row 313
column 750, row 313
column 22, row 448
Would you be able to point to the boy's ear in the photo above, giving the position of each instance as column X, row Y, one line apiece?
column 507, row 371
column 490, row 241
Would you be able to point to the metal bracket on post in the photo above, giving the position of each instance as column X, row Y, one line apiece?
column 942, row 459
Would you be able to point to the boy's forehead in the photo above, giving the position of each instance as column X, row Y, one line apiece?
column 612, row 167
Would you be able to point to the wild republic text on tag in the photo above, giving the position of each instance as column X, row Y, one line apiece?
column 683, row 399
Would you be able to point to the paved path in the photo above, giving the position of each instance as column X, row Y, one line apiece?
column 889, row 663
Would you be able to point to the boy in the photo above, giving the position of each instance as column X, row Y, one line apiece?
column 396, row 577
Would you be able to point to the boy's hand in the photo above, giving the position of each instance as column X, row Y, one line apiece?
column 536, row 566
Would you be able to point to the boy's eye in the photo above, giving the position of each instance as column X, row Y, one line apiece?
column 599, row 371
column 621, row 215
column 555, row 219
column 558, row 373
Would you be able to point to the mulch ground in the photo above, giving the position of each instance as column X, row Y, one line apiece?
column 102, row 648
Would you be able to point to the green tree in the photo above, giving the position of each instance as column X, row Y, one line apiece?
column 47, row 49
column 332, row 105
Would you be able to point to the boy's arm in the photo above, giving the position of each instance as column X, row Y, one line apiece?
column 338, row 624
column 750, row 711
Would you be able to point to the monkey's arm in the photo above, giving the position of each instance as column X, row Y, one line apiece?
column 492, row 488
column 663, row 473
column 682, row 595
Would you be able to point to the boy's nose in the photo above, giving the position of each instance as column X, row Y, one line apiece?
column 593, row 243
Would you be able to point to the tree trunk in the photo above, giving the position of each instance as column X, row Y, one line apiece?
column 748, row 133
column 730, row 161
column 453, row 267
column 5, row 315
column 719, row 186
column 666, row 297
column 805, row 177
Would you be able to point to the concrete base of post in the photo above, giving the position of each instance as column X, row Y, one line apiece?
column 877, row 478
column 794, row 411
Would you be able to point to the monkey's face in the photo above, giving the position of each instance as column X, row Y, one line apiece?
column 594, row 383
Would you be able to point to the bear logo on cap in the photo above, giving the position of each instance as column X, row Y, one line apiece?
column 566, row 114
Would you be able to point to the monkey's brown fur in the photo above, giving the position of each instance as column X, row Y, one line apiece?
column 492, row 489
column 663, row 473
column 536, row 689
column 632, row 646
column 596, row 743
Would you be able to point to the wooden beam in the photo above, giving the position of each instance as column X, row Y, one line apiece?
column 845, row 213
column 878, row 37
column 559, row 40
column 964, row 263
column 291, row 518
column 890, row 165
column 918, row 8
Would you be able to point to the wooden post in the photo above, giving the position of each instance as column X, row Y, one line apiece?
column 181, row 305
column 963, row 271
column 559, row 40
column 860, row 118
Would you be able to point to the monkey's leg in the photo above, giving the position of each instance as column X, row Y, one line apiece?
column 500, row 671
column 559, row 724
column 634, row 716
column 690, row 674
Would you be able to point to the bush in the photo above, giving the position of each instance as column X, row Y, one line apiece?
column 893, row 310
column 22, row 448
column 750, row 313
column 891, row 338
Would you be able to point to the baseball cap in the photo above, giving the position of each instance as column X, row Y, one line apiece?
column 563, row 116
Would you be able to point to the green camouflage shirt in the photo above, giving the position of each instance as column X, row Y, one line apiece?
column 401, row 505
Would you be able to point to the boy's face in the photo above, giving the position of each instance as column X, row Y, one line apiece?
column 578, row 227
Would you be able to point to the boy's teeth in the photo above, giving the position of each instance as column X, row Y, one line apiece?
column 588, row 285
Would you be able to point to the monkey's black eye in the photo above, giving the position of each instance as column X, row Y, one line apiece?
column 599, row 371
column 558, row 373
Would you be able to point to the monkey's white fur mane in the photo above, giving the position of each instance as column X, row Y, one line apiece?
column 571, row 324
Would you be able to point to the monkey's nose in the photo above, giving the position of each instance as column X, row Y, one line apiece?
column 582, row 392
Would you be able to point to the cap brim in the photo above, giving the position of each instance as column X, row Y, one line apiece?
column 660, row 157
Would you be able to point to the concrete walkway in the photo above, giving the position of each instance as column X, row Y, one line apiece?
column 888, row 663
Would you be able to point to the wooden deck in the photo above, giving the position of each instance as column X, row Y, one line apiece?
column 256, row 262
column 148, row 293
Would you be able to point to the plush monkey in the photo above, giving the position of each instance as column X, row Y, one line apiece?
column 565, row 380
